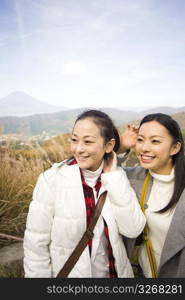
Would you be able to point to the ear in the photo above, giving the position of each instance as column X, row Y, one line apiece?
column 110, row 146
column 175, row 148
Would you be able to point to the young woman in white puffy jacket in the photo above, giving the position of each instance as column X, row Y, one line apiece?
column 63, row 203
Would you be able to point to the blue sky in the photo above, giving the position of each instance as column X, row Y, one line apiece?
column 75, row 53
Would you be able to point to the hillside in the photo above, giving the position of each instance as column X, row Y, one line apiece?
column 163, row 109
column 55, row 123
column 62, row 122
column 180, row 118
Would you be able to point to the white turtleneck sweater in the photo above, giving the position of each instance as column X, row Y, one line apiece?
column 99, row 255
column 158, row 223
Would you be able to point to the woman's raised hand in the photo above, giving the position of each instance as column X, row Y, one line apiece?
column 129, row 137
column 110, row 163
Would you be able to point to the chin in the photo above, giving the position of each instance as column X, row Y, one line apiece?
column 84, row 166
column 145, row 165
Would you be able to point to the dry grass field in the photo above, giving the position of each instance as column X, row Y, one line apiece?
column 18, row 174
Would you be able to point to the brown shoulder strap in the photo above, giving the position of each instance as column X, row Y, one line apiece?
column 71, row 261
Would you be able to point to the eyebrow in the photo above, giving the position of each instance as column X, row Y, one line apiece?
column 86, row 136
column 152, row 136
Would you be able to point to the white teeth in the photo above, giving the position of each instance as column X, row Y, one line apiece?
column 146, row 157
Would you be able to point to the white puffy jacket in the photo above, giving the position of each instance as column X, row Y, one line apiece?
column 57, row 220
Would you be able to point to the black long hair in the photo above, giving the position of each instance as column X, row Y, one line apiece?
column 107, row 128
column 178, row 159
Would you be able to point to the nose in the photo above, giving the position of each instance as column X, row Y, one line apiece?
column 80, row 147
column 145, row 146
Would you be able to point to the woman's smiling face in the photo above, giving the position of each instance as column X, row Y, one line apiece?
column 87, row 145
column 155, row 148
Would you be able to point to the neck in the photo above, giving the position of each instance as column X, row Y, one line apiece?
column 164, row 170
column 98, row 170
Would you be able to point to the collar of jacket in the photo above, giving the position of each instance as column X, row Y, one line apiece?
column 73, row 176
column 175, row 238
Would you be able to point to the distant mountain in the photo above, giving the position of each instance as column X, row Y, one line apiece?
column 162, row 109
column 62, row 122
column 21, row 104
column 120, row 116
column 180, row 118
column 133, row 108
column 55, row 123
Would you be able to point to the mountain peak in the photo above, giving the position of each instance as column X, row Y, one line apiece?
column 19, row 103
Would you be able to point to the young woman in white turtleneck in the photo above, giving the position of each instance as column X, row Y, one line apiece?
column 159, row 147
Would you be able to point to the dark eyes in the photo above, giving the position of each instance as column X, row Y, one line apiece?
column 74, row 140
column 140, row 140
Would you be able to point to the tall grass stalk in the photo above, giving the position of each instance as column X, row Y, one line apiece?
column 19, row 170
